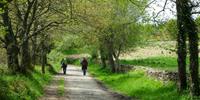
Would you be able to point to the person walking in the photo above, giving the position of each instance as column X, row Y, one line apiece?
column 84, row 64
column 64, row 65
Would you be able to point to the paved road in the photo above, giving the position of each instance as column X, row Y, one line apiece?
column 77, row 87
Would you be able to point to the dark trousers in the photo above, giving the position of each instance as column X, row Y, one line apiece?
column 84, row 72
column 64, row 70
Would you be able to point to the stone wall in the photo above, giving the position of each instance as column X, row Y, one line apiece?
column 158, row 74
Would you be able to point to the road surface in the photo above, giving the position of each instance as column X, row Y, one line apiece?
column 77, row 87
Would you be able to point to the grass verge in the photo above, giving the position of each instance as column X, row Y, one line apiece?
column 137, row 84
column 61, row 87
column 21, row 87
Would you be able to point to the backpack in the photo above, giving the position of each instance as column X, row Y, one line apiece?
column 84, row 63
column 63, row 64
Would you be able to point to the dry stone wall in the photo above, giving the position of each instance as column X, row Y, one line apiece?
column 158, row 74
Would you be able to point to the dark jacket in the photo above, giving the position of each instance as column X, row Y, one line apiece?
column 64, row 65
column 84, row 64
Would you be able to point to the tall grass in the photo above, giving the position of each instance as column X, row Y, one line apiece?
column 21, row 87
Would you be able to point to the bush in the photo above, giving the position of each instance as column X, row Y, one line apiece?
column 20, row 87
column 4, row 91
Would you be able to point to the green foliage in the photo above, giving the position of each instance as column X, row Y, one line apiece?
column 94, row 53
column 71, row 51
column 171, row 28
column 137, row 85
column 76, row 51
column 124, row 26
column 122, row 31
column 69, row 42
column 4, row 89
column 198, row 24
column 164, row 31
column 55, row 58
column 147, row 32
column 126, row 35
column 2, row 31
column 18, row 87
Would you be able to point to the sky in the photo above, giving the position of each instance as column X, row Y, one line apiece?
column 155, row 10
column 169, row 12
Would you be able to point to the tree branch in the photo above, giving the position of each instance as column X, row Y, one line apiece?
column 2, row 40
column 161, row 10
column 71, row 8
column 196, row 12
column 19, row 14
column 1, row 23
column 28, row 11
column 34, row 10
column 149, row 4
column 134, row 3
column 51, row 24
column 45, row 11
column 194, row 5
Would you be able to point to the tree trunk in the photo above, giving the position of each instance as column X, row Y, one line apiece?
column 12, row 57
column 34, row 48
column 103, row 57
column 43, row 63
column 109, row 43
column 26, row 58
column 43, row 57
column 110, row 57
column 117, row 66
column 193, row 49
column 109, row 48
column 194, row 63
column 34, row 44
column 111, row 61
column 182, row 53
column 11, row 43
column 190, row 28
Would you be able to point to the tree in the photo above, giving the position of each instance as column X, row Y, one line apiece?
column 27, row 13
column 181, row 39
column 120, row 33
column 191, row 30
column 187, row 25
column 22, row 25
column 9, row 40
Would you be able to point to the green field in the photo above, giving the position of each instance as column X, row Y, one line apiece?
column 162, row 63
